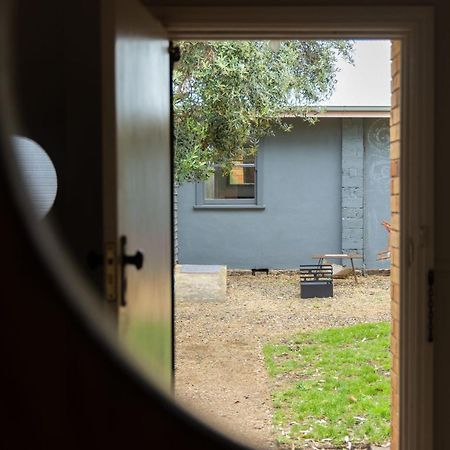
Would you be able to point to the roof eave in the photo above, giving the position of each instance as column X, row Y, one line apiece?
column 348, row 111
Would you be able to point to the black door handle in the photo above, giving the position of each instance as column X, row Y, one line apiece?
column 136, row 260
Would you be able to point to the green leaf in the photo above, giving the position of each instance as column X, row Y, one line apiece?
column 228, row 95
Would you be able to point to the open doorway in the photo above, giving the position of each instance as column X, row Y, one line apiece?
column 414, row 28
column 322, row 189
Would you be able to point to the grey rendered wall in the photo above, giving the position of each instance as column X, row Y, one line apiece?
column 301, row 189
column 376, row 190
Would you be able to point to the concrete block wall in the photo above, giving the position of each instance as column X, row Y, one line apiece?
column 395, row 237
column 352, row 186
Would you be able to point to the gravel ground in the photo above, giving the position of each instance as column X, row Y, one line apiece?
column 220, row 372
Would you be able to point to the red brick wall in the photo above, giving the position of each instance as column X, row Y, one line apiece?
column 395, row 237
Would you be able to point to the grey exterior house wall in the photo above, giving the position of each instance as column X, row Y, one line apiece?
column 321, row 188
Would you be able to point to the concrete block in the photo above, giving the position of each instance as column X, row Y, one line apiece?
column 349, row 244
column 352, row 150
column 200, row 283
column 354, row 163
column 348, row 202
column 353, row 213
column 352, row 192
column 352, row 223
column 352, row 126
column 350, row 240
column 351, row 172
column 354, row 234
column 352, row 181
column 351, row 250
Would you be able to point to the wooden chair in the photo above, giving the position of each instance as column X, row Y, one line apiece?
column 386, row 254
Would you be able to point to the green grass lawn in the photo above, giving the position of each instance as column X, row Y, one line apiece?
column 331, row 386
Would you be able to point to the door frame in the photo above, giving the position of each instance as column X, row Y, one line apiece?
column 414, row 27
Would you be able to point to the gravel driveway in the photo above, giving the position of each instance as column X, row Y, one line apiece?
column 220, row 370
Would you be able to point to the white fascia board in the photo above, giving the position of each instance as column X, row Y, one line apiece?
column 349, row 111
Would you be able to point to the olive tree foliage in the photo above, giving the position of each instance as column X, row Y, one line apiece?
column 228, row 95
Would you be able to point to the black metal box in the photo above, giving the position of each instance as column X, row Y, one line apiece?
column 316, row 281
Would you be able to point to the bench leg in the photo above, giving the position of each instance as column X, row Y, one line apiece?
column 353, row 268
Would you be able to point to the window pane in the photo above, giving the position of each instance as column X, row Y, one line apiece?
column 239, row 184
column 242, row 175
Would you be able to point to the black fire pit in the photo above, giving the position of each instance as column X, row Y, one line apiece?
column 316, row 281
